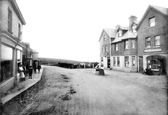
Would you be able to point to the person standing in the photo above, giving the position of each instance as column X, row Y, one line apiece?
column 39, row 66
column 30, row 67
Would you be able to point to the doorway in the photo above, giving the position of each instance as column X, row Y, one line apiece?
column 108, row 62
column 140, row 63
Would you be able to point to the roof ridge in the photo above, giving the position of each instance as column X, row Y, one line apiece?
column 163, row 10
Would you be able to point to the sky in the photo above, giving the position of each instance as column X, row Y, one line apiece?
column 70, row 29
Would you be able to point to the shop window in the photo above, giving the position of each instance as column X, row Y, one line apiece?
column 126, row 61
column 152, row 22
column 148, row 42
column 6, row 63
column 118, row 61
column 133, row 61
column 157, row 40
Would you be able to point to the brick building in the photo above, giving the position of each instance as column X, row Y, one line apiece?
column 11, row 47
column 124, row 47
column 142, row 45
column 105, row 39
column 153, row 40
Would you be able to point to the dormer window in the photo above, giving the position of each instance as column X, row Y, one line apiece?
column 152, row 22
column 134, row 28
column 119, row 33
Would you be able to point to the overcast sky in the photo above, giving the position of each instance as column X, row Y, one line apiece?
column 70, row 29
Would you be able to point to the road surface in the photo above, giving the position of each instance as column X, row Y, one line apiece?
column 81, row 92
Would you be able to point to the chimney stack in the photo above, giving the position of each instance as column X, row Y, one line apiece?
column 131, row 20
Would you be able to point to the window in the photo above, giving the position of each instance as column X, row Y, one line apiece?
column 133, row 44
column 126, row 44
column 9, row 20
column 152, row 22
column 157, row 40
column 116, row 47
column 126, row 61
column 19, row 55
column 148, row 42
column 105, row 37
column 19, row 30
column 133, row 60
column 6, row 62
column 118, row 61
column 114, row 61
column 106, row 49
column 120, row 33
column 134, row 28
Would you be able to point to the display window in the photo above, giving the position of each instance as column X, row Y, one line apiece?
column 6, row 62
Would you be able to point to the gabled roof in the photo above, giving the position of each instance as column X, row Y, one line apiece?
column 161, row 10
column 110, row 32
column 18, row 12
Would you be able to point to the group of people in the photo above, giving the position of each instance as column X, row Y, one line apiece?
column 99, row 69
column 28, row 68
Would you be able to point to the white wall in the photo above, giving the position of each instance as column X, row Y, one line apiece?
column 105, row 62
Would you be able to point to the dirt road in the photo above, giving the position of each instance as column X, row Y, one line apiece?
column 81, row 92
column 119, row 93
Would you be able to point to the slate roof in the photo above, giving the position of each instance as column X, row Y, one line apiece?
column 127, row 35
column 117, row 39
column 161, row 9
column 111, row 33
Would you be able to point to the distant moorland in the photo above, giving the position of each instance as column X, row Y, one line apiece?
column 66, row 63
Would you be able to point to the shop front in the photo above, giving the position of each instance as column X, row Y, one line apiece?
column 156, row 64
